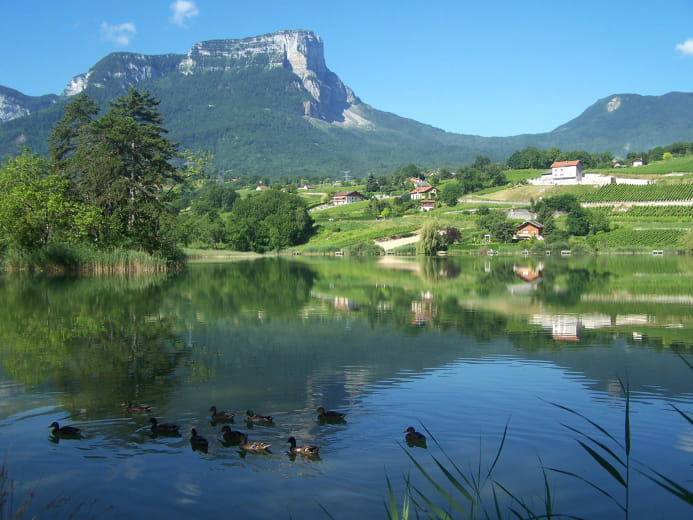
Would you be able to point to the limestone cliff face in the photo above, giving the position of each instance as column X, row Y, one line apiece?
column 14, row 104
column 300, row 52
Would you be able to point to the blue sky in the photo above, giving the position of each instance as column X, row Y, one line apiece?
column 476, row 67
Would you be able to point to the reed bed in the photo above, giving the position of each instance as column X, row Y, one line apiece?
column 69, row 258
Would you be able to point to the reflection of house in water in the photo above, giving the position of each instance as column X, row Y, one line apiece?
column 565, row 327
column 423, row 310
column 568, row 327
column 345, row 304
column 530, row 275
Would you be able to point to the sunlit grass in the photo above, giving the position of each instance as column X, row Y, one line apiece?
column 67, row 258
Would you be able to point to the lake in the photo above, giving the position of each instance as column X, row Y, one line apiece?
column 511, row 367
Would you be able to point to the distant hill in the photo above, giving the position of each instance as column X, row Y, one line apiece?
column 268, row 105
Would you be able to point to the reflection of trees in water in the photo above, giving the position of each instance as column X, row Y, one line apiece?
column 564, row 285
column 435, row 268
column 100, row 340
column 272, row 287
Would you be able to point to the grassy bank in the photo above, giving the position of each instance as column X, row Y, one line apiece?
column 70, row 258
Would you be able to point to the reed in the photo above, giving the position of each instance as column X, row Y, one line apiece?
column 75, row 258
column 8, row 508
column 613, row 456
column 470, row 500
column 471, row 495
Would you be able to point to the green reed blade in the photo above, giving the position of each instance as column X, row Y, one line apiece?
column 683, row 414
column 672, row 487
column 604, row 463
column 591, row 484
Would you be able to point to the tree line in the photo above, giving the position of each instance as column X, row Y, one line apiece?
column 113, row 180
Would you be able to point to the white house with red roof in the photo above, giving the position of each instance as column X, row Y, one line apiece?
column 346, row 197
column 566, row 171
column 423, row 192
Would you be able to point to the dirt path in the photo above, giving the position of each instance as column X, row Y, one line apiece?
column 391, row 243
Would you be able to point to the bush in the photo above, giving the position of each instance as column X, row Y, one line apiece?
column 364, row 249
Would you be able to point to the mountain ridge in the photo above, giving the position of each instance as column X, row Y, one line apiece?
column 271, row 102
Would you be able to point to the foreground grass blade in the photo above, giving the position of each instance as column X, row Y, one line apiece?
column 683, row 414
column 584, row 417
column 597, row 443
column 671, row 486
column 591, row 484
column 449, row 498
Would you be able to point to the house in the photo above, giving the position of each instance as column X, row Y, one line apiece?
column 346, row 197
column 427, row 204
column 637, row 162
column 419, row 183
column 566, row 171
column 261, row 188
column 423, row 192
column 529, row 229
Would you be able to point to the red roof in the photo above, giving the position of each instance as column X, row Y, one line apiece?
column 422, row 189
column 559, row 164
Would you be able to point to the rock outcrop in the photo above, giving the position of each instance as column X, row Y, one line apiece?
column 14, row 104
column 300, row 52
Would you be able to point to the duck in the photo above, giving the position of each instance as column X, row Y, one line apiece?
column 198, row 441
column 306, row 449
column 256, row 446
column 233, row 436
column 221, row 416
column 163, row 428
column 329, row 415
column 412, row 436
column 252, row 417
column 65, row 431
column 139, row 408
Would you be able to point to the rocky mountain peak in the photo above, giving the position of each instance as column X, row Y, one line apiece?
column 14, row 104
column 298, row 51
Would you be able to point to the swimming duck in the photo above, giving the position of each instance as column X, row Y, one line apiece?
column 252, row 417
column 65, row 431
column 139, row 408
column 329, row 415
column 164, row 428
column 233, row 436
column 256, row 446
column 221, row 416
column 198, row 441
column 306, row 449
column 414, row 437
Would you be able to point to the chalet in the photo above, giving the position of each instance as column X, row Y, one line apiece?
column 427, row 204
column 529, row 229
column 419, row 183
column 423, row 192
column 566, row 171
column 346, row 197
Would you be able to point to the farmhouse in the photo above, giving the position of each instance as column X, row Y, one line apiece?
column 568, row 172
column 419, row 183
column 529, row 229
column 346, row 197
column 423, row 192
column 427, row 204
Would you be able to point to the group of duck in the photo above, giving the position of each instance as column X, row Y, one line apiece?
column 235, row 437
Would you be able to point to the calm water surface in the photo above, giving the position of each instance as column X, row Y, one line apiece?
column 462, row 348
